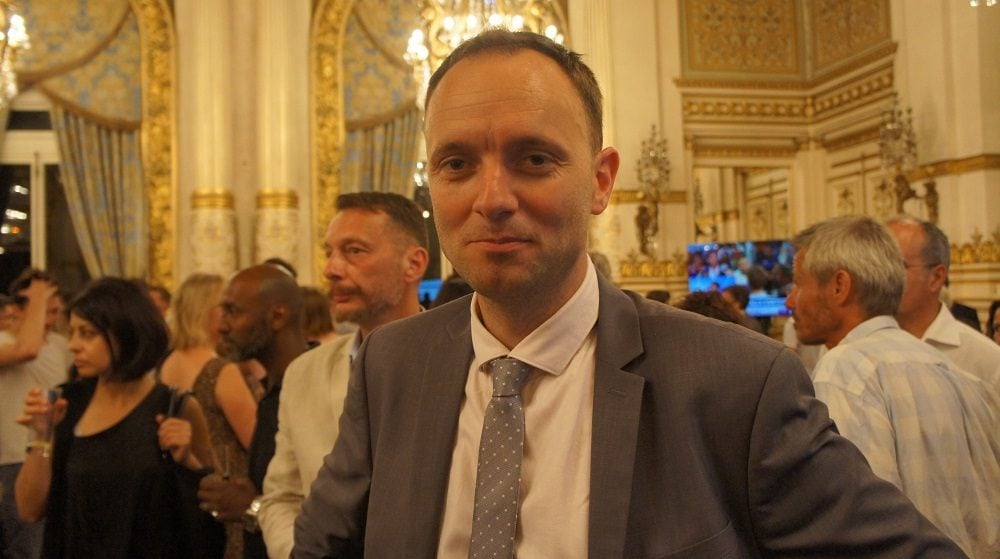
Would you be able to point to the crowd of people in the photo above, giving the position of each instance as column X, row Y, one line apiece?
column 542, row 412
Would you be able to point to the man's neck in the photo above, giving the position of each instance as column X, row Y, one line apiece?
column 284, row 352
column 918, row 322
column 409, row 307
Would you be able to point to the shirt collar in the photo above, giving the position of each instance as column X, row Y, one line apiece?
column 551, row 346
column 945, row 329
column 868, row 327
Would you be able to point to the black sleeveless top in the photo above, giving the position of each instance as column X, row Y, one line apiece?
column 112, row 492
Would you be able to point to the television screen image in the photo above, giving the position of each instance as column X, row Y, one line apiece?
column 765, row 267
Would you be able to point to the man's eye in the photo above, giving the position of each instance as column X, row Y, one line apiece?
column 537, row 159
column 454, row 164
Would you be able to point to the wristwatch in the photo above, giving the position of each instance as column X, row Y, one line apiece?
column 250, row 516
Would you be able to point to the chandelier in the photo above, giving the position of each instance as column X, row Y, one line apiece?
column 445, row 24
column 13, row 38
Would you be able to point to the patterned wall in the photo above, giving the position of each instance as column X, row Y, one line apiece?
column 843, row 28
column 765, row 40
column 87, row 55
column 737, row 36
column 376, row 79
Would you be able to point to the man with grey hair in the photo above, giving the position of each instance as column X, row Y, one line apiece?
column 922, row 423
column 927, row 258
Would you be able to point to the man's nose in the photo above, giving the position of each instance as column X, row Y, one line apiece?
column 496, row 197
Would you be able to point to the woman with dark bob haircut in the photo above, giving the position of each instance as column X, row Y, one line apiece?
column 108, row 481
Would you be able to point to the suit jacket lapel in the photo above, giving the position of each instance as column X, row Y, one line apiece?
column 442, row 388
column 617, row 405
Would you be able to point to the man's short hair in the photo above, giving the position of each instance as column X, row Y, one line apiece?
column 740, row 294
column 510, row 42
column 402, row 211
column 936, row 249
column 710, row 304
column 126, row 318
column 864, row 249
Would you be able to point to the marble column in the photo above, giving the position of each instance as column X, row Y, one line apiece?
column 282, row 228
column 207, row 224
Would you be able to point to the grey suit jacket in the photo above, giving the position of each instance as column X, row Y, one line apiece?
column 707, row 442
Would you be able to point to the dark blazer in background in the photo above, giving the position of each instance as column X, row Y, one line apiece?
column 707, row 442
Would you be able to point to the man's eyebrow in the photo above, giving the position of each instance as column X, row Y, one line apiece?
column 448, row 148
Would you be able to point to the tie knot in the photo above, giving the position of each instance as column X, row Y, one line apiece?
column 508, row 376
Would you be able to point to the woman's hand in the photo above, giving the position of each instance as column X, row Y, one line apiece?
column 175, row 438
column 40, row 415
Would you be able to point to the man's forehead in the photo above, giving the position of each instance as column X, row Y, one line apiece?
column 352, row 222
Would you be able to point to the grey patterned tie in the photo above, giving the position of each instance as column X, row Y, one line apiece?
column 498, row 477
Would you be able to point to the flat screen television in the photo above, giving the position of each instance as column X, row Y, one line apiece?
column 765, row 267
column 428, row 290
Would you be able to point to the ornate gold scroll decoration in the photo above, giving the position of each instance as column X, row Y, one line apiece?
column 156, row 33
column 327, row 109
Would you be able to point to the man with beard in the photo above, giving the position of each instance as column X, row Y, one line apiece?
column 376, row 255
column 262, row 320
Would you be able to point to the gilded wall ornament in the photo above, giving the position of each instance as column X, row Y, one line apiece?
column 327, row 106
column 158, row 133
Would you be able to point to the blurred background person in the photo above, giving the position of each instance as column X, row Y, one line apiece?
column 9, row 312
column 317, row 318
column 161, row 298
column 710, row 304
column 104, row 484
column 31, row 354
column 739, row 297
column 661, row 295
column 993, row 322
column 227, row 401
column 453, row 287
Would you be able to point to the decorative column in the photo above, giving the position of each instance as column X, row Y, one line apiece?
column 207, row 231
column 589, row 21
column 277, row 228
column 213, row 231
column 283, row 134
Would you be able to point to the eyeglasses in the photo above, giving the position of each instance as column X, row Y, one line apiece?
column 908, row 266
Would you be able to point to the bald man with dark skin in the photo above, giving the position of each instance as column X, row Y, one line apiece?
column 262, row 309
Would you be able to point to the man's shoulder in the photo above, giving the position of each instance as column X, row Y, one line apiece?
column 321, row 357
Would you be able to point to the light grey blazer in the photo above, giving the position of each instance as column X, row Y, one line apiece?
column 707, row 442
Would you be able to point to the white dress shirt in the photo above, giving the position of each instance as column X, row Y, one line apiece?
column 923, row 424
column 967, row 347
column 553, row 519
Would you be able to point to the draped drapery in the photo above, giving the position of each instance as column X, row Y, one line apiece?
column 382, row 122
column 382, row 155
column 102, row 174
column 86, row 58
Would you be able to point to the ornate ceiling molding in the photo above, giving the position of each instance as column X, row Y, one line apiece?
column 638, row 196
column 744, row 151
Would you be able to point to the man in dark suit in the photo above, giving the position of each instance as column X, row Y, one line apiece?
column 647, row 431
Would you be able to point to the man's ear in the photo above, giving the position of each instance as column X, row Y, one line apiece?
column 605, row 170
column 278, row 317
column 415, row 261
column 840, row 286
column 938, row 277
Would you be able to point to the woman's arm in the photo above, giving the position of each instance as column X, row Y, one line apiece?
column 237, row 403
column 186, row 437
column 31, row 489
column 31, row 331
